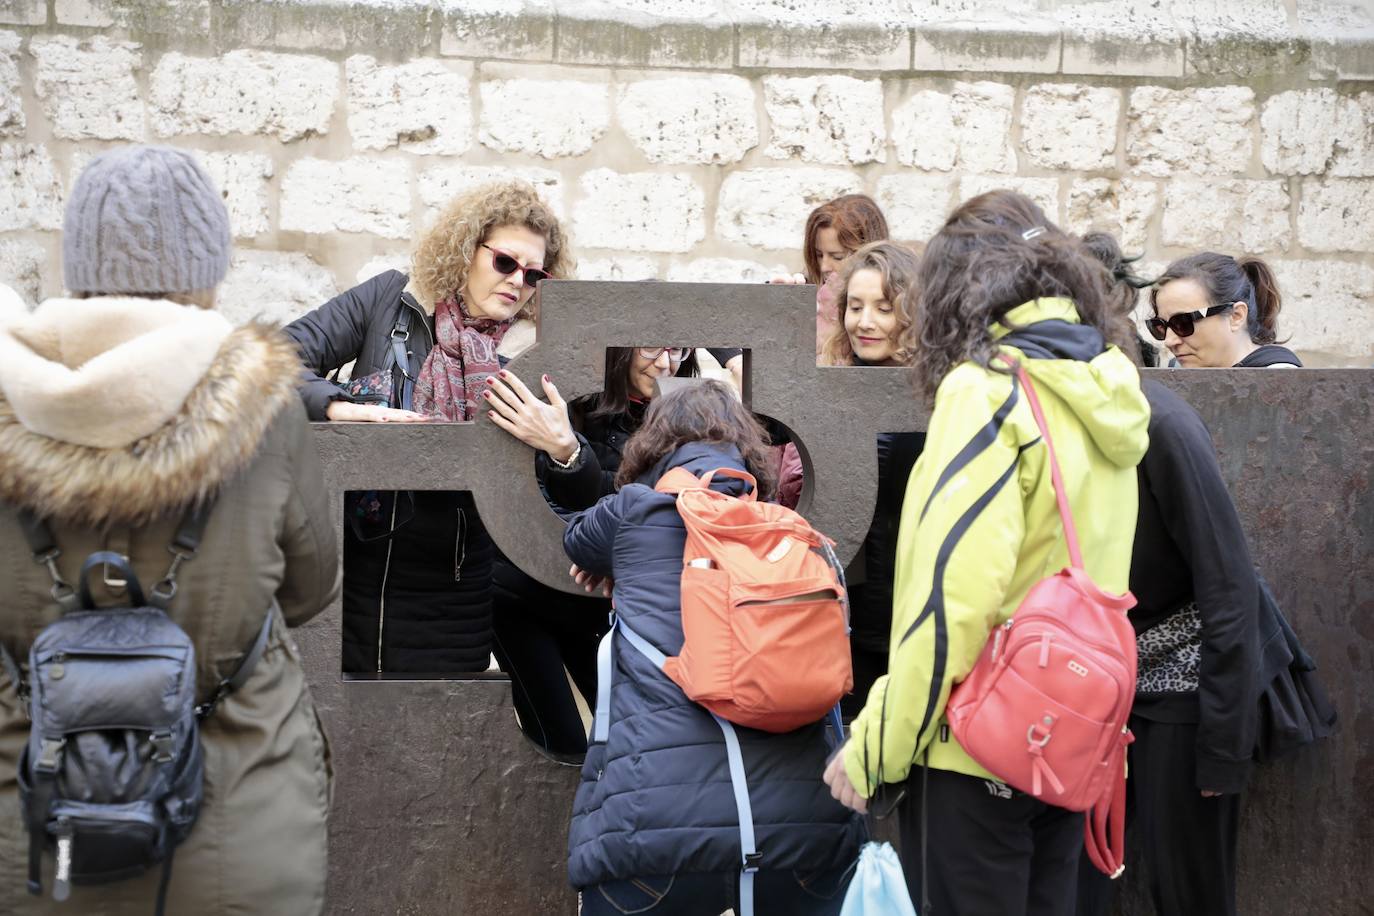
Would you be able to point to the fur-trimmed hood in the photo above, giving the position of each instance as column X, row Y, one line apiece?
column 224, row 396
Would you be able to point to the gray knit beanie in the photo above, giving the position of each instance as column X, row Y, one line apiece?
column 144, row 219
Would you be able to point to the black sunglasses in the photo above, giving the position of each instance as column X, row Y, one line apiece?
column 505, row 264
column 1183, row 324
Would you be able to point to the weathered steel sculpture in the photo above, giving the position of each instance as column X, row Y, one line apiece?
column 442, row 809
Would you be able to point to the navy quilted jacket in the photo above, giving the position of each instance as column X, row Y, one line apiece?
column 655, row 798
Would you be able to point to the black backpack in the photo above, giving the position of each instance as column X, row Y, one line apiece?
column 111, row 777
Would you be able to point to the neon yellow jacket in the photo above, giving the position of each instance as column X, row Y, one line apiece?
column 980, row 526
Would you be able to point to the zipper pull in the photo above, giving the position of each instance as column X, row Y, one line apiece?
column 1045, row 638
column 997, row 638
column 62, row 882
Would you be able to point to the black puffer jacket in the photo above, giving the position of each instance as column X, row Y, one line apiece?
column 417, row 565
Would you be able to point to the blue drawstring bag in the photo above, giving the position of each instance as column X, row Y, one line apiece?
column 878, row 887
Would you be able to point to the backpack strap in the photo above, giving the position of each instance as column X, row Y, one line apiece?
column 677, row 480
column 45, row 552
column 750, row 856
column 400, row 335
column 184, row 547
column 243, row 672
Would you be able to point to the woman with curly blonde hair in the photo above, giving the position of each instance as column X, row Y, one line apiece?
column 417, row 565
column 879, row 291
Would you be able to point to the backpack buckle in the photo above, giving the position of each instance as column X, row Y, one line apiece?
column 753, row 861
column 163, row 744
column 48, row 754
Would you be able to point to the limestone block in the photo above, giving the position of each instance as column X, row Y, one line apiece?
column 181, row 19
column 1317, row 131
column 835, row 120
column 244, row 92
column 88, row 88
column 355, row 195
column 242, row 181
column 681, row 120
column 1236, row 216
column 549, row 118
column 441, row 184
column 724, row 270
column 23, row 12
column 1022, row 48
column 627, row 269
column 1328, row 307
column 273, row 286
column 83, row 12
column 839, row 46
column 767, row 208
column 30, row 194
column 21, row 268
column 12, row 121
column 381, row 264
column 1070, row 127
column 1192, row 131
column 497, row 33
column 612, row 41
column 915, row 205
column 1096, row 55
column 1044, row 191
column 969, row 127
column 1337, row 215
column 1123, row 208
column 643, row 211
column 423, row 106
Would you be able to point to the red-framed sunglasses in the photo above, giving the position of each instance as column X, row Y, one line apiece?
column 506, row 264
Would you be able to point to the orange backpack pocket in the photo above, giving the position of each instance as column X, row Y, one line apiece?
column 785, row 666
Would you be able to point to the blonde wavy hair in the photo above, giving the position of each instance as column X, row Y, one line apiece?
column 439, row 267
column 898, row 265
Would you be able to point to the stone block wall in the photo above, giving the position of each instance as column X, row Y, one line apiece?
column 688, row 139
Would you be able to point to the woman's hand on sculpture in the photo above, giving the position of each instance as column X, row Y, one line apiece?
column 787, row 280
column 515, row 409
column 590, row 582
column 841, row 788
column 348, row 412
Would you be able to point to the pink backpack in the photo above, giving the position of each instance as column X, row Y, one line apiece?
column 1045, row 707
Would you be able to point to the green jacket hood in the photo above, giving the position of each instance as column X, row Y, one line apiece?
column 1096, row 382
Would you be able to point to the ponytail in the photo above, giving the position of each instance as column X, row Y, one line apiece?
column 1265, row 304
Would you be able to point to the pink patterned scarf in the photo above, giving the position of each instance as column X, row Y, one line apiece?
column 455, row 373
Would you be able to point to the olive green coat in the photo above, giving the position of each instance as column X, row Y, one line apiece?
column 259, row 846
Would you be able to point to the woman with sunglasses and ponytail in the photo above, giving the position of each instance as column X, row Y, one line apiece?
column 417, row 565
column 541, row 632
column 1217, row 661
column 1213, row 311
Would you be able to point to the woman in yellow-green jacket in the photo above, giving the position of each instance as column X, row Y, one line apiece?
column 980, row 527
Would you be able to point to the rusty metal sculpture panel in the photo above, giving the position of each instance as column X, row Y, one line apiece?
column 442, row 809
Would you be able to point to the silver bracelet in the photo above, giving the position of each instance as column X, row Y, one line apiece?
column 572, row 459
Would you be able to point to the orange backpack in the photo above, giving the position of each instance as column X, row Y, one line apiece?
column 765, row 617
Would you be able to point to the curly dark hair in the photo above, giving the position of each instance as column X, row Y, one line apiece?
column 981, row 265
column 704, row 412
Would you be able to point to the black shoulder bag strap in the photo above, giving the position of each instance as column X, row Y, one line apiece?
column 400, row 336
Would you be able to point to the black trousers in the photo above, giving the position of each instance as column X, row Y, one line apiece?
column 992, row 851
column 1187, row 842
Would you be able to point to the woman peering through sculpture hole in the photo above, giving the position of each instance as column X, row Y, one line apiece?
column 418, row 565
column 540, row 632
